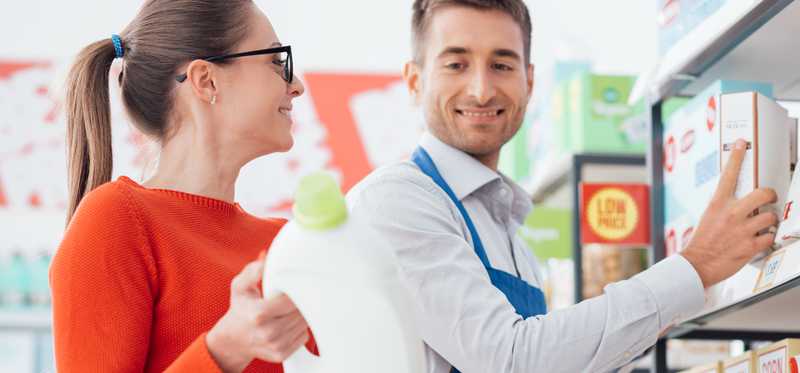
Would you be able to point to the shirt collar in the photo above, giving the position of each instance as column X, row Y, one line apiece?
column 522, row 205
column 464, row 173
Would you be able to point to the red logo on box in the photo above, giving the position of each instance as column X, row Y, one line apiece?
column 671, row 242
column 669, row 154
column 711, row 113
column 687, row 141
column 669, row 13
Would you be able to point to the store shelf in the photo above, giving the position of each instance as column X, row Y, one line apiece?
column 771, row 310
column 25, row 320
column 554, row 177
column 746, row 40
column 586, row 167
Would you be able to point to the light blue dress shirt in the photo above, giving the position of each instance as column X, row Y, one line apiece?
column 463, row 318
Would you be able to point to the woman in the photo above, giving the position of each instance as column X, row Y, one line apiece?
column 149, row 277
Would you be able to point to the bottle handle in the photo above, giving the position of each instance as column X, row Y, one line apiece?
column 302, row 361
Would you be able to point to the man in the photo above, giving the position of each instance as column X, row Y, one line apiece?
column 451, row 218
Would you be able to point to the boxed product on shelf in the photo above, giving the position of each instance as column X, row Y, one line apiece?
column 560, row 115
column 793, row 140
column 548, row 233
column 744, row 363
column 677, row 18
column 555, row 107
column 691, row 168
column 709, row 368
column 686, row 353
column 767, row 129
column 604, row 264
column 597, row 106
column 515, row 157
column 15, row 280
column 636, row 125
column 691, row 172
column 777, row 357
column 789, row 229
column 691, row 159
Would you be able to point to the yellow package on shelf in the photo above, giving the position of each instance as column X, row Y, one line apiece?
column 710, row 368
column 778, row 357
column 744, row 363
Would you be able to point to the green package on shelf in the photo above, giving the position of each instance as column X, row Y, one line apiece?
column 40, row 287
column 15, row 282
column 548, row 232
column 515, row 156
column 597, row 106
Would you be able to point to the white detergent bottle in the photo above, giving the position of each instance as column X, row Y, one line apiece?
column 346, row 285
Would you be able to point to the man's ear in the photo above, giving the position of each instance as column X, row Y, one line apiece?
column 412, row 76
column 531, row 80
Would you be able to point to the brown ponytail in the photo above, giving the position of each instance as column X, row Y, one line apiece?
column 88, row 122
column 165, row 35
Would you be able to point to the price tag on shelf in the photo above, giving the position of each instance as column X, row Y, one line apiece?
column 770, row 271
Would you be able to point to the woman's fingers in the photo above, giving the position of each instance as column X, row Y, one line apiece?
column 278, row 306
column 247, row 281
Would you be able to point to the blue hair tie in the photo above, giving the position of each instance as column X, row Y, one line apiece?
column 117, row 45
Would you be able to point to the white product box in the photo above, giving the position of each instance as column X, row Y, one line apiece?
column 691, row 159
column 710, row 368
column 789, row 230
column 741, row 364
column 767, row 128
column 777, row 357
column 793, row 138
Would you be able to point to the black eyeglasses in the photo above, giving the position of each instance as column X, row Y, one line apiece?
column 284, row 61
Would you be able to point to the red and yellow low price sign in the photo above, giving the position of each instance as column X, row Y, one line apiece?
column 615, row 214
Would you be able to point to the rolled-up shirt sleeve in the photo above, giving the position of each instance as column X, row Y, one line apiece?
column 471, row 324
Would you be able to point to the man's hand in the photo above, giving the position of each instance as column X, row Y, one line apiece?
column 728, row 235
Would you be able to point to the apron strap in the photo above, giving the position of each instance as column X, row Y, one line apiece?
column 425, row 163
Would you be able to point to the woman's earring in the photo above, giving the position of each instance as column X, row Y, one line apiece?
column 213, row 99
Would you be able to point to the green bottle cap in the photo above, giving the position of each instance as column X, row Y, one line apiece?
column 319, row 203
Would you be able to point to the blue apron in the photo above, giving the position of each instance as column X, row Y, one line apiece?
column 527, row 300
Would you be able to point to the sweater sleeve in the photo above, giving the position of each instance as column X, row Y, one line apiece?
column 104, row 284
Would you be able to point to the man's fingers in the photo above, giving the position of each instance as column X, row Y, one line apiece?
column 755, row 200
column 761, row 222
column 763, row 242
column 727, row 182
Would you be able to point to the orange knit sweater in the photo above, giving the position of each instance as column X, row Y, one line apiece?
column 142, row 274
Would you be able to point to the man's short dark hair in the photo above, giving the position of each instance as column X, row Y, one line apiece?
column 424, row 9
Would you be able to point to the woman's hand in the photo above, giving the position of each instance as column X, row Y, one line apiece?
column 254, row 327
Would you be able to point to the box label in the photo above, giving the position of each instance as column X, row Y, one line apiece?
column 773, row 362
column 741, row 367
column 770, row 271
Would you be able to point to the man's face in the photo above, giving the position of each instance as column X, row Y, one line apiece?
column 472, row 81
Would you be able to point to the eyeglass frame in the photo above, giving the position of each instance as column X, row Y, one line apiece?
column 287, row 69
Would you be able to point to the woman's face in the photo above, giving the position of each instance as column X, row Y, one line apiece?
column 254, row 103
